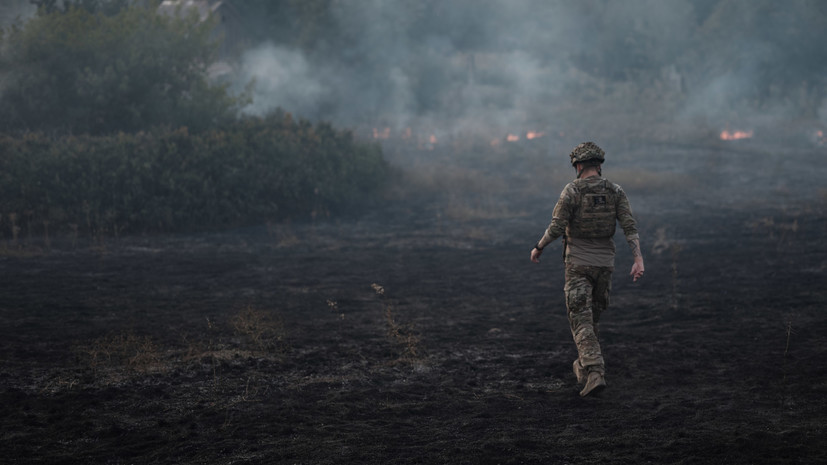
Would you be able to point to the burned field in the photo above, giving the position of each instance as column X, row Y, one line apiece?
column 421, row 333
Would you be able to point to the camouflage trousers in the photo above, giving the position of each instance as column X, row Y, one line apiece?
column 587, row 296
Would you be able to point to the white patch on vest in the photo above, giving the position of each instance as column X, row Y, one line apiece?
column 596, row 205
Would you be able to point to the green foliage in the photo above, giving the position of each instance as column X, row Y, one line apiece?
column 106, row 6
column 78, row 71
column 249, row 172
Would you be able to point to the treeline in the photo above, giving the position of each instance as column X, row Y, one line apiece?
column 252, row 171
column 85, row 69
column 110, row 124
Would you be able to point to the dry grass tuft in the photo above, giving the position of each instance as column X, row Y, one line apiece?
column 264, row 331
column 403, row 336
column 121, row 351
column 660, row 245
column 283, row 234
column 781, row 232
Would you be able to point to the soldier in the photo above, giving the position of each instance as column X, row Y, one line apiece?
column 585, row 216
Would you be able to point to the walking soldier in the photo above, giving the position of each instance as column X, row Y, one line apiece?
column 585, row 217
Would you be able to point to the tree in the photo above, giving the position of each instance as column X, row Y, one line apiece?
column 80, row 71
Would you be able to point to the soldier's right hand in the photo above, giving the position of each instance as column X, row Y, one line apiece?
column 637, row 269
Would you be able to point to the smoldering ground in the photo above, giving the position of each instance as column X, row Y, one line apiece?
column 422, row 333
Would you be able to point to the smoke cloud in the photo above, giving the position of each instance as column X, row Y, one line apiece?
column 478, row 66
column 15, row 10
column 281, row 77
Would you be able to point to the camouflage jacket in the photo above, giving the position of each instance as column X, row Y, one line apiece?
column 590, row 208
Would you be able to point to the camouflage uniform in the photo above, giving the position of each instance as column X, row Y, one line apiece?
column 587, row 212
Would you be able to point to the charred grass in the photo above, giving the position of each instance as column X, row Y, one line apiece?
column 272, row 346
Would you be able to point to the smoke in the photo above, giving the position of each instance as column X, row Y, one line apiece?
column 467, row 65
column 12, row 11
column 281, row 78
column 503, row 65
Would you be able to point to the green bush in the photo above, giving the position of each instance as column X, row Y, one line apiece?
column 78, row 71
column 248, row 172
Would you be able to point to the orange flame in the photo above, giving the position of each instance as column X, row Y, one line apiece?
column 534, row 135
column 735, row 135
column 432, row 139
column 512, row 138
column 384, row 133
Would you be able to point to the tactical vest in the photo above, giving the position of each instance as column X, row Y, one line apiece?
column 595, row 216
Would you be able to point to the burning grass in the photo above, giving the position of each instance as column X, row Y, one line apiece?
column 736, row 135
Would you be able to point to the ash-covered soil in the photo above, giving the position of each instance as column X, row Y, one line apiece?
column 419, row 334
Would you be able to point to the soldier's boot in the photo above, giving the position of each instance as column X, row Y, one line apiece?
column 579, row 371
column 594, row 384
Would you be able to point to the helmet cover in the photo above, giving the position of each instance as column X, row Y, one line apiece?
column 587, row 152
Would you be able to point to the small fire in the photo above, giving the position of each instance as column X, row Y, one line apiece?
column 820, row 139
column 534, row 135
column 735, row 135
column 427, row 141
column 384, row 133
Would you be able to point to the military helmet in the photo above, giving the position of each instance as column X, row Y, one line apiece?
column 587, row 152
